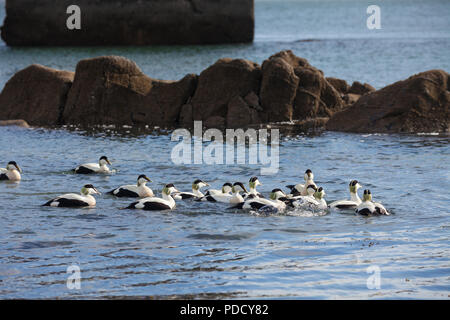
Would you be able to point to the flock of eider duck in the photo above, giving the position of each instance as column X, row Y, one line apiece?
column 305, row 196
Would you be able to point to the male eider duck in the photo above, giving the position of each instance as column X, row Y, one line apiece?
column 274, row 203
column 100, row 167
column 11, row 173
column 235, row 197
column 354, row 198
column 310, row 190
column 317, row 202
column 226, row 188
column 154, row 203
column 253, row 183
column 135, row 191
column 368, row 207
column 300, row 189
column 196, row 193
column 85, row 199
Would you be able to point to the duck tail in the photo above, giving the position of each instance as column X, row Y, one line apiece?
column 287, row 201
column 238, row 206
column 47, row 204
column 131, row 206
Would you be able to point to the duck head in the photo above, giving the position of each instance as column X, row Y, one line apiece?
column 142, row 180
column 311, row 189
column 12, row 165
column 169, row 189
column 277, row 194
column 89, row 189
column 198, row 184
column 238, row 187
column 367, row 196
column 254, row 182
column 319, row 194
column 354, row 186
column 103, row 161
column 308, row 175
column 227, row 187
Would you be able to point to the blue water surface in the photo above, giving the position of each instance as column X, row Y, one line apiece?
column 204, row 250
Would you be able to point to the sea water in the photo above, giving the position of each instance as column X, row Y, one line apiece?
column 205, row 250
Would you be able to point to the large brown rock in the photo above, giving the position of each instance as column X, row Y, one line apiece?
column 360, row 88
column 278, row 89
column 293, row 60
column 162, row 106
column 351, row 98
column 185, row 119
column 418, row 104
column 36, row 94
column 215, row 122
column 313, row 96
column 129, row 22
column 113, row 90
column 339, row 84
column 14, row 123
column 221, row 82
column 240, row 114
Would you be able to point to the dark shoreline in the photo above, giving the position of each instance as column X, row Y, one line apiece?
column 285, row 130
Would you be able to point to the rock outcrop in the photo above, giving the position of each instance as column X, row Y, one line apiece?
column 130, row 22
column 232, row 93
column 36, row 94
column 340, row 85
column 292, row 89
column 220, row 83
column 418, row 104
column 315, row 96
column 278, row 89
column 240, row 114
column 360, row 88
column 113, row 90
column 14, row 123
column 350, row 94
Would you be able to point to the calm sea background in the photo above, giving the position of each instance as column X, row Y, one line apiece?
column 203, row 250
column 331, row 34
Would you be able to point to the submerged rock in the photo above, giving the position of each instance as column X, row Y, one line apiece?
column 418, row 104
column 36, row 94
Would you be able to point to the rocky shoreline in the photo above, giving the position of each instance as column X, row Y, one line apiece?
column 232, row 93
